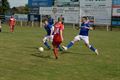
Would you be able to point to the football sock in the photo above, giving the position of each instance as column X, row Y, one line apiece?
column 92, row 48
column 47, row 45
column 60, row 49
column 70, row 45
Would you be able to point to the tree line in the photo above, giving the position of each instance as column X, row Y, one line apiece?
column 5, row 8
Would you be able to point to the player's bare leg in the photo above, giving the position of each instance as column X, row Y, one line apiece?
column 55, row 49
column 12, row 28
column 0, row 29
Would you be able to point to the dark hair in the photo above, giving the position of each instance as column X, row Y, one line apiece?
column 44, row 20
column 85, row 17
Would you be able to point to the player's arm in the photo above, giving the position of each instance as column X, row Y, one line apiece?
column 77, row 27
column 90, row 28
column 52, row 30
column 61, row 34
column 53, row 21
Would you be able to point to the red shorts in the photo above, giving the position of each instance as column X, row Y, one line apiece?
column 11, row 26
column 57, row 40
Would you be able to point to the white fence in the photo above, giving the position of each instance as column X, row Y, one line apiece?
column 71, row 14
column 100, row 10
column 21, row 17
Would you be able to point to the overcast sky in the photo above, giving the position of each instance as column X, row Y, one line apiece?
column 17, row 2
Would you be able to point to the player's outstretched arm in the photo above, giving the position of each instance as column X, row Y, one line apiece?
column 77, row 27
column 90, row 28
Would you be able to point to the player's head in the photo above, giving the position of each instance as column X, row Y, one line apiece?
column 12, row 16
column 84, row 19
column 60, row 20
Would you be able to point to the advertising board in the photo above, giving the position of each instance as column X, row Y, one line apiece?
column 99, row 9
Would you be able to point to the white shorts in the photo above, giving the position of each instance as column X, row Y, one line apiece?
column 48, row 38
column 80, row 37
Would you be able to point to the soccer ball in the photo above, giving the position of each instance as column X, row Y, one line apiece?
column 41, row 49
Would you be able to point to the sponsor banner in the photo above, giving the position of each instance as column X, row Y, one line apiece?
column 34, row 10
column 35, row 4
column 67, row 3
column 21, row 17
column 99, row 9
column 116, row 10
column 116, row 15
column 33, row 17
column 38, row 3
column 71, row 14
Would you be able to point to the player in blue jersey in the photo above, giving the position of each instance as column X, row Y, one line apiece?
column 49, row 37
column 50, row 20
column 83, row 35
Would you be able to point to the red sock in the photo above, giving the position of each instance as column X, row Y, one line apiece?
column 56, row 53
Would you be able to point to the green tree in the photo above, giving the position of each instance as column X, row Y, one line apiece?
column 26, row 9
column 20, row 10
column 5, row 7
column 54, row 2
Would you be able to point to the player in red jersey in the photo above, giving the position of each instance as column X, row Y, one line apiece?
column 58, row 37
column 12, row 22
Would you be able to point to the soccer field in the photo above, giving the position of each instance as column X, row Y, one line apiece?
column 21, row 60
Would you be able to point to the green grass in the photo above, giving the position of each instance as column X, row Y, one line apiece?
column 20, row 59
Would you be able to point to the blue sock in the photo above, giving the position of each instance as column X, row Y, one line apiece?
column 60, row 48
column 70, row 45
column 47, row 45
column 92, row 48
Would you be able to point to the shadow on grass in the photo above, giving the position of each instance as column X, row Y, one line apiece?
column 6, row 32
column 41, row 55
column 32, row 47
column 37, row 48
column 77, row 53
